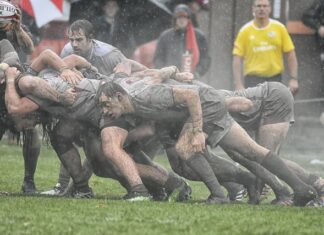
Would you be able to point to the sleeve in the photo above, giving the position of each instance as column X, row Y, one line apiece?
column 311, row 17
column 204, row 60
column 239, row 44
column 111, row 60
column 159, row 55
column 288, row 44
column 66, row 51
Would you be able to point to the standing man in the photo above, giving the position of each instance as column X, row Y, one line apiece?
column 17, row 34
column 183, row 45
column 259, row 48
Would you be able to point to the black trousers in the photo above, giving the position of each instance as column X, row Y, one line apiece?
column 253, row 80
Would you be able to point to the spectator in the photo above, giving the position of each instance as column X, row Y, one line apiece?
column 183, row 45
column 110, row 28
column 313, row 17
column 18, row 35
column 260, row 44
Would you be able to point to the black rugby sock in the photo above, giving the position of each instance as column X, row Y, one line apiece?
column 173, row 182
column 277, row 166
column 200, row 165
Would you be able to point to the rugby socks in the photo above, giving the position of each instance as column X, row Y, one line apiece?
column 227, row 171
column 174, row 181
column 277, row 166
column 140, row 188
column 200, row 165
column 64, row 177
column 31, row 150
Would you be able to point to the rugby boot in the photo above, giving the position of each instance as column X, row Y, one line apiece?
column 302, row 197
column 83, row 194
column 319, row 186
column 236, row 193
column 254, row 194
column 181, row 193
column 28, row 187
column 319, row 201
column 212, row 200
column 57, row 190
column 138, row 193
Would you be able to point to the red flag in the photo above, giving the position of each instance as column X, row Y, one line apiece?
column 192, row 45
column 26, row 5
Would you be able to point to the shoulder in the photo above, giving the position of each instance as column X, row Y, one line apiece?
column 102, row 48
column 246, row 27
column 67, row 49
column 277, row 24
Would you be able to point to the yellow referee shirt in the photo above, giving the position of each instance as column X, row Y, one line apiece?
column 262, row 48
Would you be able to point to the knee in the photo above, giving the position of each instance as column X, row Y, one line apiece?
column 61, row 144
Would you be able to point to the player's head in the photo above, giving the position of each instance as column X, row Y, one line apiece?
column 182, row 15
column 112, row 98
column 81, row 33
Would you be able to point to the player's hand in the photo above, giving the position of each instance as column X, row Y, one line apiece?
column 16, row 22
column 198, row 142
column 184, row 77
column 68, row 97
column 123, row 67
column 94, row 69
column 11, row 73
column 72, row 77
column 293, row 86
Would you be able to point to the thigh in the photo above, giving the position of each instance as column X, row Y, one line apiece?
column 271, row 136
column 238, row 141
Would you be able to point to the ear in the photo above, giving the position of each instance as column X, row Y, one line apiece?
column 119, row 96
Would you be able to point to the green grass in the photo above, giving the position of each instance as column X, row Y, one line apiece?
column 106, row 214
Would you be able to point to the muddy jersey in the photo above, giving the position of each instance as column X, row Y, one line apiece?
column 155, row 102
column 103, row 56
column 272, row 103
column 85, row 107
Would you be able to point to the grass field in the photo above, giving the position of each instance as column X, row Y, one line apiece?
column 107, row 214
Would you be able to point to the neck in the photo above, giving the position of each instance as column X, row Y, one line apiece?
column 261, row 23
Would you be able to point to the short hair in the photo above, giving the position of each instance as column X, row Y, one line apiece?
column 253, row 2
column 86, row 27
column 110, row 89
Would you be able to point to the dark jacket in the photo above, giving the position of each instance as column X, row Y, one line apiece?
column 313, row 17
column 172, row 45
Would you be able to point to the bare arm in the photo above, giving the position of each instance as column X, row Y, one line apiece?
column 191, row 98
column 24, row 40
column 75, row 61
column 113, row 139
column 136, row 66
column 14, row 103
column 237, row 72
column 238, row 104
column 50, row 58
column 293, row 71
column 140, row 132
